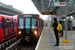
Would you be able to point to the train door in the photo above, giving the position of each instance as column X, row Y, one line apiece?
column 14, row 25
column 6, row 26
column 27, row 29
column 10, row 26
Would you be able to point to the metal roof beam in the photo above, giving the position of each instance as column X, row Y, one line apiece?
column 5, row 9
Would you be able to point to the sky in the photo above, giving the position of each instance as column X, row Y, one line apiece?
column 25, row 6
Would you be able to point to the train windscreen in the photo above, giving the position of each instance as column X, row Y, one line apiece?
column 34, row 23
column 27, row 23
column 21, row 23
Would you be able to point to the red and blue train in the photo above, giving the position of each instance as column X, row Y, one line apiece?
column 8, row 26
column 29, row 27
column 25, row 26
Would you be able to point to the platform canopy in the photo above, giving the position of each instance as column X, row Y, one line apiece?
column 8, row 10
column 48, row 6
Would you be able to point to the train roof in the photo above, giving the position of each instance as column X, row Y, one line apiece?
column 15, row 17
column 41, row 19
column 5, row 16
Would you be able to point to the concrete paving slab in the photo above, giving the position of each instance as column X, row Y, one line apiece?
column 48, row 41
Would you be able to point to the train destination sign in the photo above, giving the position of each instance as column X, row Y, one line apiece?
column 27, row 15
column 48, row 13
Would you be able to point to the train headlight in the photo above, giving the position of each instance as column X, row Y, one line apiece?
column 19, row 32
column 35, row 32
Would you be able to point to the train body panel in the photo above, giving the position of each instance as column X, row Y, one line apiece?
column 1, row 32
column 6, row 28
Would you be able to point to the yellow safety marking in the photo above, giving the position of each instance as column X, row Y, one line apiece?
column 66, row 41
column 52, row 28
column 43, row 40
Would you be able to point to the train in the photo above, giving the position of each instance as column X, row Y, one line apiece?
column 29, row 27
column 25, row 26
column 8, row 27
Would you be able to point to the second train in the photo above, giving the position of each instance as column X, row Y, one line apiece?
column 29, row 27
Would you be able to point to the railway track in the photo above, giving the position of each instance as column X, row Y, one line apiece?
column 25, row 47
column 7, row 43
column 14, row 45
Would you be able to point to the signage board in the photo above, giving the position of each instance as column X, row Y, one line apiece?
column 59, row 3
column 49, row 13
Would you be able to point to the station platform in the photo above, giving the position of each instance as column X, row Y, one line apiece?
column 47, row 41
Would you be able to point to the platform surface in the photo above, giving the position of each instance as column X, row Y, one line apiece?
column 48, row 41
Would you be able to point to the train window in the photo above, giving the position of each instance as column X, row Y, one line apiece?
column 27, row 23
column 21, row 23
column 12, row 23
column 15, row 19
column 7, row 19
column 9, row 24
column 34, row 23
column 15, row 24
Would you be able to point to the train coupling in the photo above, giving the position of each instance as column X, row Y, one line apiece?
column 27, row 38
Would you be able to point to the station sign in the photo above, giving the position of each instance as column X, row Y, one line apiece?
column 49, row 13
column 59, row 3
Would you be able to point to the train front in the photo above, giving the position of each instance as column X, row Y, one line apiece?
column 27, row 28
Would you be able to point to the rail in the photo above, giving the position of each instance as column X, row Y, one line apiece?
column 9, row 41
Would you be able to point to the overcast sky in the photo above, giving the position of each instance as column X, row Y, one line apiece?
column 26, row 6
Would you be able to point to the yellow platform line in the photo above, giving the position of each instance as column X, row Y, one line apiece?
column 43, row 40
